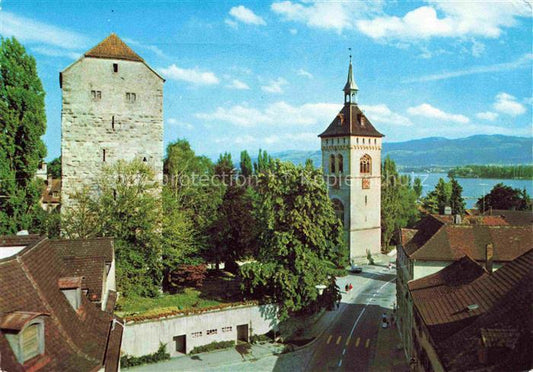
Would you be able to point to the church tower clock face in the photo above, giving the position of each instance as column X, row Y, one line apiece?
column 351, row 162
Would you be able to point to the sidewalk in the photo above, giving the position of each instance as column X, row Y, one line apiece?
column 389, row 355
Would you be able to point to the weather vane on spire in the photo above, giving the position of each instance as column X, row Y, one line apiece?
column 350, row 49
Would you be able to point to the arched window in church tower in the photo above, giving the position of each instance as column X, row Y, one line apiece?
column 332, row 163
column 366, row 164
column 340, row 163
column 339, row 209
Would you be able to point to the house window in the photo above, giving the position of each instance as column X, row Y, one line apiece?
column 115, row 67
column 96, row 95
column 332, row 163
column 196, row 334
column 131, row 97
column 211, row 332
column 227, row 329
column 30, row 341
column 365, row 164
column 340, row 163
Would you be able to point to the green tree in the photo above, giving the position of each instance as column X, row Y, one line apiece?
column 398, row 202
column 235, row 232
column 246, row 164
column 504, row 197
column 263, row 162
column 224, row 168
column 417, row 187
column 126, row 207
column 22, row 123
column 456, row 198
column 300, row 234
column 190, row 181
column 54, row 168
column 439, row 198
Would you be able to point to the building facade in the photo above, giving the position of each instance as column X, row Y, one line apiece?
column 112, row 110
column 351, row 162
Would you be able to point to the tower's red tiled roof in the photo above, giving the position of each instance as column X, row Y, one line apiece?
column 114, row 48
column 351, row 121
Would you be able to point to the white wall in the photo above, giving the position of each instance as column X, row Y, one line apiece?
column 142, row 338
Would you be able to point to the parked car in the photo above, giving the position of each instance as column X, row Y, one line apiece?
column 356, row 269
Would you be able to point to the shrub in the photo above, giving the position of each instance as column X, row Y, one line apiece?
column 259, row 338
column 212, row 346
column 132, row 361
column 188, row 275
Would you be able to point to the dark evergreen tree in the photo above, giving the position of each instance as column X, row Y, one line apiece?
column 456, row 199
column 246, row 164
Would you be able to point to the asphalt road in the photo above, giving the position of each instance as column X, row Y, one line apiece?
column 350, row 341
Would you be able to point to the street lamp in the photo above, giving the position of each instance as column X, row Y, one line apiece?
column 320, row 288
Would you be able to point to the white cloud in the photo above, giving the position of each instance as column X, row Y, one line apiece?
column 327, row 15
column 275, row 86
column 487, row 115
column 522, row 62
column 154, row 49
column 477, row 48
column 27, row 30
column 382, row 114
column 175, row 123
column 231, row 23
column 507, row 104
column 246, row 15
column 237, row 84
column 55, row 52
column 243, row 140
column 293, row 31
column 279, row 114
column 194, row 75
column 428, row 111
column 305, row 73
column 459, row 19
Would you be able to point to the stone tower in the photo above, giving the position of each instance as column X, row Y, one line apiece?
column 112, row 109
column 351, row 161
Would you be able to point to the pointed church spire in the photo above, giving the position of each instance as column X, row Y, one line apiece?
column 350, row 89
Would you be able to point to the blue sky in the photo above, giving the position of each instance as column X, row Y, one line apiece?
column 269, row 74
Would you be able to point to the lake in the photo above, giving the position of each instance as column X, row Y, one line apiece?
column 473, row 188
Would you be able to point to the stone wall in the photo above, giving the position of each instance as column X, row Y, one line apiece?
column 99, row 114
column 142, row 338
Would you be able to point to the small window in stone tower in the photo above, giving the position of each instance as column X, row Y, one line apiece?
column 115, row 67
column 332, row 163
column 131, row 97
column 144, row 159
column 366, row 199
column 365, row 164
column 103, row 155
column 340, row 163
column 363, row 141
column 96, row 95
column 375, row 141
column 113, row 122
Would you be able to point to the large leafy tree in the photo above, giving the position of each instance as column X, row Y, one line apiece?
column 197, row 194
column 398, row 202
column 439, row 198
column 505, row 197
column 126, row 207
column 54, row 168
column 22, row 123
column 235, row 232
column 299, row 235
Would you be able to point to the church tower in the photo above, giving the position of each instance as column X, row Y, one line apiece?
column 351, row 162
column 112, row 110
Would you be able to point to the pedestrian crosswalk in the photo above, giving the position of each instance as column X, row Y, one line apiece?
column 350, row 341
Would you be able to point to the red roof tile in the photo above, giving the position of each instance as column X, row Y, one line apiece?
column 114, row 48
column 351, row 121
column 75, row 340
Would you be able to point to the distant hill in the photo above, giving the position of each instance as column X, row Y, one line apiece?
column 443, row 152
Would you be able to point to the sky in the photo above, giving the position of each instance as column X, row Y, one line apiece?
column 269, row 74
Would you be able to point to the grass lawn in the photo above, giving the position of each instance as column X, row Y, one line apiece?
column 219, row 287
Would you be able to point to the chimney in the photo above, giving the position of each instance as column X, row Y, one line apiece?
column 49, row 183
column 489, row 255
column 457, row 219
